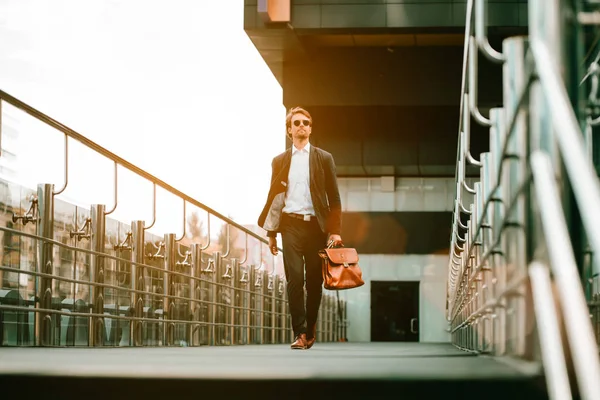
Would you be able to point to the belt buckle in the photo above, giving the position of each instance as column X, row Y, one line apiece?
column 307, row 217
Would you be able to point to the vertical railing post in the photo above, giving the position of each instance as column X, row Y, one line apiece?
column 222, row 291
column 272, row 303
column 205, row 296
column 252, row 311
column 333, row 331
column 212, row 329
column 469, row 291
column 497, row 139
column 97, row 274
column 515, row 234
column 195, row 270
column 264, row 305
column 220, row 266
column 336, row 324
column 246, row 281
column 326, row 317
column 473, row 275
column 345, row 320
column 44, row 332
column 233, row 301
column 137, row 282
column 257, row 304
column 486, row 245
column 280, row 309
column 168, row 303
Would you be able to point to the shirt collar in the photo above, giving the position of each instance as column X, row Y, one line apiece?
column 306, row 148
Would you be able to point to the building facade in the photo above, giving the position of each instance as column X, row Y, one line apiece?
column 382, row 80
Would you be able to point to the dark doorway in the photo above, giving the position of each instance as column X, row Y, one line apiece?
column 394, row 311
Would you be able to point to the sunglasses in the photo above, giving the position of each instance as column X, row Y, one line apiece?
column 304, row 122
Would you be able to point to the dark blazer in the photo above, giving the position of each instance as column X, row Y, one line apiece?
column 324, row 192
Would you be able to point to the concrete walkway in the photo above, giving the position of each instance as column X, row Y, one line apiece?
column 327, row 371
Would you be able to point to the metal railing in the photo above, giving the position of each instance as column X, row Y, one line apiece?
column 514, row 288
column 72, row 276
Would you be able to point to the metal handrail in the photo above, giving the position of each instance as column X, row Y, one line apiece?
column 570, row 143
column 570, row 292
column 553, row 355
column 463, row 85
column 160, row 308
column 509, row 132
column 107, row 257
column 460, row 150
column 121, row 161
column 465, row 298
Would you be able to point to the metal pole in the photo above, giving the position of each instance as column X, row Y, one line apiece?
column 263, row 304
column 475, row 257
column 136, row 302
column 98, row 229
column 233, row 303
column 217, row 261
column 45, row 228
column 487, row 243
column 248, row 284
column 515, row 80
column 272, row 291
column 280, row 309
column 195, row 270
column 584, row 349
column 168, row 303
column 553, row 356
column 497, row 139
column 581, row 171
column 253, row 286
column 329, row 318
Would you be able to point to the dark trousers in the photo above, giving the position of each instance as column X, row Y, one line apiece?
column 301, row 242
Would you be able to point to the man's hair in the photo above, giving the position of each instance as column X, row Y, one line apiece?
column 293, row 111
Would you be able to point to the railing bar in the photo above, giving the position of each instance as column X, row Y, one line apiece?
column 582, row 342
column 570, row 141
column 66, row 167
column 509, row 133
column 128, row 290
column 481, row 35
column 463, row 86
column 112, row 316
column 504, row 223
column 116, row 188
column 492, row 248
column 553, row 355
column 511, row 288
column 93, row 252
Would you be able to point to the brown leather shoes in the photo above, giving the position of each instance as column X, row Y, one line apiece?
column 311, row 335
column 300, row 342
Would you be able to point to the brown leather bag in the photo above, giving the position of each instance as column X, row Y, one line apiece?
column 340, row 268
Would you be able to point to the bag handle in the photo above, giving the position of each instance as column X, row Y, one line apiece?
column 331, row 244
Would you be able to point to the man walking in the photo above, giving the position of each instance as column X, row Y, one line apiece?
column 304, row 206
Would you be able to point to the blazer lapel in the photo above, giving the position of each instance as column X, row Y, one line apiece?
column 282, row 175
column 313, row 167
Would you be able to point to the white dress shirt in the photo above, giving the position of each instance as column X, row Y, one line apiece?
column 297, row 196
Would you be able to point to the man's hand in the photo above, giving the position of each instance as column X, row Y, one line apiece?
column 273, row 245
column 337, row 240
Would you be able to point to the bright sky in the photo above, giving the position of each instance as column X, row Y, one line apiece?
column 175, row 87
